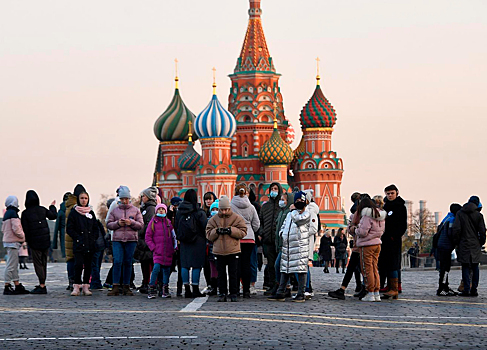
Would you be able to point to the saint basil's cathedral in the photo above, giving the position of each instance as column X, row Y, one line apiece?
column 250, row 141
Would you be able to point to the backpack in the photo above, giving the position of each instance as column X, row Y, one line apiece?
column 187, row 228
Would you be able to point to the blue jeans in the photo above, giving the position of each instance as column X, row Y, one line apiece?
column 466, row 277
column 393, row 274
column 123, row 252
column 95, row 270
column 278, row 267
column 253, row 265
column 166, row 272
column 195, row 276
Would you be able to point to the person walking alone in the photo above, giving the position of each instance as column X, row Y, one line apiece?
column 37, row 235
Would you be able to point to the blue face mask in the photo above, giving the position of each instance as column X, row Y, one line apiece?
column 214, row 212
column 282, row 203
column 274, row 194
column 161, row 215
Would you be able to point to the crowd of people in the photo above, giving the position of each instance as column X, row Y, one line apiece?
column 222, row 236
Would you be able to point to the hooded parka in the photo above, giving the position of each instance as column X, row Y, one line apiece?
column 295, row 242
column 469, row 232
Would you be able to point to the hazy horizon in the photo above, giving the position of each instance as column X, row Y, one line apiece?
column 83, row 84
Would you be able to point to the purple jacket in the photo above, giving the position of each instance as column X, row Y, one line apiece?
column 161, row 240
column 370, row 229
column 125, row 233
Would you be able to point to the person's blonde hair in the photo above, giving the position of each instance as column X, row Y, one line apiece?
column 379, row 201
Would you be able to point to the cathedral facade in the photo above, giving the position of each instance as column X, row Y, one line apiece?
column 250, row 140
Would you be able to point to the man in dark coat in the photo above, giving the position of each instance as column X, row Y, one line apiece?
column 469, row 232
column 325, row 250
column 268, row 219
column 38, row 235
column 59, row 228
column 396, row 226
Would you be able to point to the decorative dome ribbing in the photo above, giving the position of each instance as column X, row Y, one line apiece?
column 290, row 134
column 300, row 150
column 215, row 121
column 190, row 159
column 318, row 112
column 276, row 151
column 172, row 125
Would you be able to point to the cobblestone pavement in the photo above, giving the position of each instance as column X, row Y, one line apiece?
column 419, row 320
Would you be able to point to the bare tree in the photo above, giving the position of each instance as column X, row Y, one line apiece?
column 423, row 228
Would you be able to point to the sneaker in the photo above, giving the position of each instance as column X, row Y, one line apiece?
column 308, row 295
column 233, row 298
column 277, row 297
column 368, row 297
column 96, row 287
column 246, row 295
column 474, row 293
column 222, row 298
column 287, row 294
column 152, row 292
column 253, row 291
column 446, row 292
column 464, row 294
column 107, row 286
column 20, row 289
column 358, row 288
column 377, row 296
column 39, row 290
column 338, row 294
column 9, row 290
column 299, row 298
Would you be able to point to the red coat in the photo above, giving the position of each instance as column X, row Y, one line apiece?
column 161, row 240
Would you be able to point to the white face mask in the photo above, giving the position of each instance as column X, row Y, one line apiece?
column 282, row 203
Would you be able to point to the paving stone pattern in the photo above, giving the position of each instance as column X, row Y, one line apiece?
column 419, row 320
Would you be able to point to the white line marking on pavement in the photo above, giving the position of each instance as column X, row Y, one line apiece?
column 105, row 338
column 195, row 304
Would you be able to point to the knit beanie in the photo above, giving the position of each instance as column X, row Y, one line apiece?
column 123, row 192
column 214, row 205
column 224, row 203
column 176, row 200
column 161, row 206
column 299, row 195
column 12, row 201
column 151, row 193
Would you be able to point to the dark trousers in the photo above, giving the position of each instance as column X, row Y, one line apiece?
column 222, row 261
column 82, row 260
column 271, row 254
column 207, row 268
column 244, row 265
column 353, row 264
column 466, row 268
column 146, row 266
column 95, row 270
column 445, row 264
column 285, row 277
column 342, row 261
column 39, row 258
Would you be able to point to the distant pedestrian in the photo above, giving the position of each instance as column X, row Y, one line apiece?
column 469, row 232
column 13, row 238
column 70, row 202
column 340, row 243
column 37, row 235
column 125, row 221
column 60, row 227
column 325, row 250
column 23, row 255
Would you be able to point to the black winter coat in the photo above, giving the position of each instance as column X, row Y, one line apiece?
column 340, row 244
column 192, row 254
column 469, row 232
column 142, row 251
column 325, row 248
column 268, row 218
column 396, row 226
column 34, row 222
column 84, row 231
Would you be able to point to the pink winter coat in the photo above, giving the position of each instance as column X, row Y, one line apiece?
column 12, row 231
column 125, row 233
column 161, row 240
column 370, row 229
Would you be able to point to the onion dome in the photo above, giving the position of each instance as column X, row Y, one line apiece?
column 318, row 112
column 172, row 125
column 276, row 151
column 290, row 134
column 300, row 150
column 215, row 121
column 190, row 159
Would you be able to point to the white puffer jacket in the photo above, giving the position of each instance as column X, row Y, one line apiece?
column 295, row 242
column 314, row 211
column 243, row 207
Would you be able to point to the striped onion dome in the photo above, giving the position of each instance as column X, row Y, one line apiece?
column 300, row 150
column 276, row 151
column 318, row 112
column 172, row 125
column 215, row 121
column 290, row 134
column 190, row 159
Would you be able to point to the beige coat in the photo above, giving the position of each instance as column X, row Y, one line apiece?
column 226, row 244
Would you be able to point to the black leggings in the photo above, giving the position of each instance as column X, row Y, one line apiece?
column 82, row 261
column 337, row 264
column 353, row 264
column 244, row 265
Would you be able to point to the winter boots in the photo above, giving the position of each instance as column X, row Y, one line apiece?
column 338, row 294
column 127, row 291
column 273, row 290
column 75, row 292
column 115, row 290
column 196, row 291
column 86, row 290
column 393, row 292
column 187, row 291
column 165, row 291
column 152, row 292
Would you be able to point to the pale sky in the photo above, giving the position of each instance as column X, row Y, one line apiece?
column 82, row 83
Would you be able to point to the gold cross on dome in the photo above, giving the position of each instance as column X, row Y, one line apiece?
column 176, row 64
column 318, row 70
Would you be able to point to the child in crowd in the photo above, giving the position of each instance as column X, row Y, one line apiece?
column 161, row 239
column 23, row 255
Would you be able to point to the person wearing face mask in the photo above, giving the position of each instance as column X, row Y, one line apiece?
column 213, row 287
column 208, row 199
column 225, row 230
column 241, row 205
column 82, row 227
column 268, row 220
column 161, row 240
column 295, row 246
column 125, row 221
